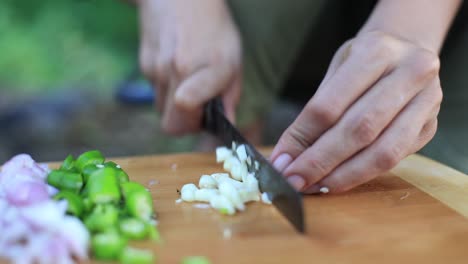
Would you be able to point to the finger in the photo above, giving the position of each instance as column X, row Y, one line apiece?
column 175, row 120
column 203, row 85
column 411, row 130
column 231, row 98
column 358, row 72
column 361, row 124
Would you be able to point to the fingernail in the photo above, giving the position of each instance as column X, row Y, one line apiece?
column 282, row 161
column 297, row 182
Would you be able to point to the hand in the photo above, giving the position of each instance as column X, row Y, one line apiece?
column 191, row 52
column 377, row 104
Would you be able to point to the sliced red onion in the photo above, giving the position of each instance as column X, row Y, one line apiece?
column 46, row 215
column 75, row 236
column 22, row 193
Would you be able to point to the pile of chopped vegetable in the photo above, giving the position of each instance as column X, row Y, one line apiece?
column 33, row 227
column 114, row 209
column 226, row 192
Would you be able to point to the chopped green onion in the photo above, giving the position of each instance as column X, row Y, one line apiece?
column 136, row 256
column 75, row 204
column 103, row 187
column 65, row 180
column 89, row 157
column 133, row 228
column 108, row 245
column 195, row 260
column 102, row 217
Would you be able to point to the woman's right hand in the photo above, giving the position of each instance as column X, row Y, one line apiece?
column 191, row 53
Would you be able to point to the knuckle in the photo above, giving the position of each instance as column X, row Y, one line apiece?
column 376, row 45
column 388, row 158
column 426, row 65
column 318, row 167
column 365, row 130
column 323, row 113
column 182, row 65
column 295, row 138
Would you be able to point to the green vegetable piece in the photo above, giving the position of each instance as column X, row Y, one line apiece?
column 195, row 260
column 140, row 205
column 75, row 205
column 89, row 157
column 68, row 164
column 153, row 233
column 88, row 170
column 103, row 187
column 129, row 187
column 108, row 245
column 65, row 180
column 87, row 204
column 133, row 228
column 103, row 217
column 122, row 176
column 224, row 211
column 136, row 256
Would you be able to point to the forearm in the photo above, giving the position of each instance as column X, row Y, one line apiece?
column 423, row 22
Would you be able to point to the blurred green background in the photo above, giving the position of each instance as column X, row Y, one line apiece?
column 54, row 43
column 62, row 63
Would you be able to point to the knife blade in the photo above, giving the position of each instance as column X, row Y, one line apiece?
column 284, row 197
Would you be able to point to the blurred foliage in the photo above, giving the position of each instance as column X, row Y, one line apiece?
column 50, row 44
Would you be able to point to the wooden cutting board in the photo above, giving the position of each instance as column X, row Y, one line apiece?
column 414, row 214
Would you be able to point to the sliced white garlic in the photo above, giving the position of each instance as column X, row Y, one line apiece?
column 249, row 161
column 238, row 172
column 251, row 183
column 248, row 196
column 233, row 146
column 241, row 153
column 205, row 195
column 222, row 204
column 256, row 165
column 222, row 154
column 230, row 192
column 187, row 193
column 208, row 182
column 222, row 177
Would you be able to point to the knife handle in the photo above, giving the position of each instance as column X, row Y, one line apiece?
column 210, row 110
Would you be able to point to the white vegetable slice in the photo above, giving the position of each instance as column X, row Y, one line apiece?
column 252, row 183
column 207, row 182
column 233, row 146
column 241, row 153
column 238, row 172
column 248, row 196
column 222, row 154
column 230, row 192
column 222, row 177
column 205, row 195
column 222, row 204
column 187, row 193
column 257, row 165
column 231, row 163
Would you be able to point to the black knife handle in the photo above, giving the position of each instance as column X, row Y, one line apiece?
column 210, row 112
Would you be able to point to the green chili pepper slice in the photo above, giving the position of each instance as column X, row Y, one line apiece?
column 195, row 260
column 129, row 187
column 75, row 205
column 102, row 217
column 122, row 176
column 136, row 256
column 87, row 205
column 103, row 187
column 68, row 164
column 89, row 157
column 88, row 170
column 108, row 245
column 140, row 205
column 153, row 233
column 65, row 180
column 133, row 228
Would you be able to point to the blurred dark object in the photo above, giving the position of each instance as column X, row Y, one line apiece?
column 135, row 90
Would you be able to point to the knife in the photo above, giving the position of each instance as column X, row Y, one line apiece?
column 284, row 197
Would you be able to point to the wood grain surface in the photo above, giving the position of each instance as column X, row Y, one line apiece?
column 413, row 214
column 387, row 220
